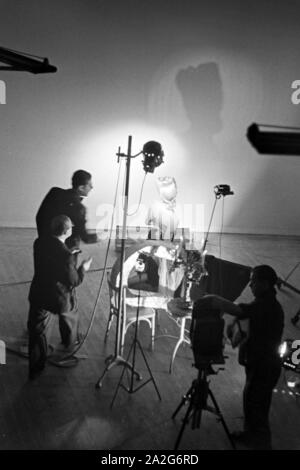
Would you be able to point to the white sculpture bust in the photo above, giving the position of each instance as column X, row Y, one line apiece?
column 162, row 214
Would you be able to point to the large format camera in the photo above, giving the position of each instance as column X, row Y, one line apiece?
column 207, row 337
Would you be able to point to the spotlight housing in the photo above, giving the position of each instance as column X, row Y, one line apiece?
column 23, row 62
column 153, row 154
column 274, row 140
column 223, row 190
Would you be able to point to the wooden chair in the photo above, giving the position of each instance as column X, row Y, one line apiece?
column 129, row 314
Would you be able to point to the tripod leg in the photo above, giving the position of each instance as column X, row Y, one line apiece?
column 184, row 423
column 149, row 370
column 184, row 399
column 112, row 361
column 121, row 377
column 221, row 418
column 196, row 418
column 109, row 364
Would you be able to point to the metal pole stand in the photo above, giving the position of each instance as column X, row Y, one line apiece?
column 117, row 359
column 133, row 348
column 219, row 190
column 196, row 397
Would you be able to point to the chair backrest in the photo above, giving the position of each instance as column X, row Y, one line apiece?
column 114, row 295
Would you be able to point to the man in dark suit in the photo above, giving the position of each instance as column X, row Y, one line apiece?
column 52, row 291
column 69, row 202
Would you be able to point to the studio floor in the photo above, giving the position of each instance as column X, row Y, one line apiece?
column 63, row 410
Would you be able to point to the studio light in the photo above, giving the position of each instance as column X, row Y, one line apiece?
column 153, row 154
column 18, row 61
column 276, row 140
column 223, row 190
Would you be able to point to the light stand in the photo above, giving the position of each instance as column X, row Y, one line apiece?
column 136, row 343
column 220, row 190
column 116, row 359
column 153, row 156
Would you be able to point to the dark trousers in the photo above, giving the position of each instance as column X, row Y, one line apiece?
column 261, row 378
column 39, row 328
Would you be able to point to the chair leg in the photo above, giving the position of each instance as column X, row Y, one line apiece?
column 181, row 340
column 153, row 332
column 157, row 314
column 123, row 334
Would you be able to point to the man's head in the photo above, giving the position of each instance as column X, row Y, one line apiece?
column 82, row 182
column 263, row 278
column 61, row 227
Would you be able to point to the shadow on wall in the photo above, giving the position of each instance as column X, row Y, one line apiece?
column 202, row 95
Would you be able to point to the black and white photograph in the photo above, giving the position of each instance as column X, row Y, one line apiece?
column 149, row 228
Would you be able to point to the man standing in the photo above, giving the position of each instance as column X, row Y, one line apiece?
column 260, row 352
column 68, row 202
column 52, row 291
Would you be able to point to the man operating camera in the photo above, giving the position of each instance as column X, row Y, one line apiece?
column 260, row 351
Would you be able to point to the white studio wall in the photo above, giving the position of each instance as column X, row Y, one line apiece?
column 192, row 75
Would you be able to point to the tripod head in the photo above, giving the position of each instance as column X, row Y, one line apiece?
column 205, row 368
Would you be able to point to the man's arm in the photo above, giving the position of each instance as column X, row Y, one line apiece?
column 69, row 275
column 80, row 230
column 216, row 302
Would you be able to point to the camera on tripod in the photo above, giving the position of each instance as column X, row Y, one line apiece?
column 207, row 336
column 222, row 190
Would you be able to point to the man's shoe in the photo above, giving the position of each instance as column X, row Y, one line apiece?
column 254, row 440
column 34, row 374
column 244, row 437
column 80, row 339
column 77, row 342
